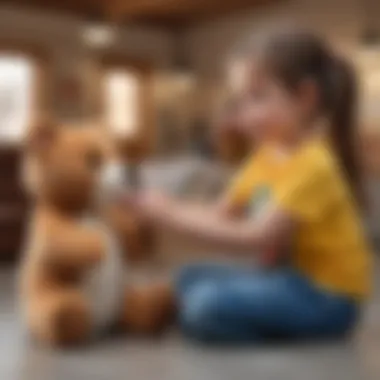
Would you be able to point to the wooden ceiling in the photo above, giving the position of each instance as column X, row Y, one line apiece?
column 163, row 12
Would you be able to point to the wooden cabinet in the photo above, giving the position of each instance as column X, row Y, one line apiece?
column 13, row 205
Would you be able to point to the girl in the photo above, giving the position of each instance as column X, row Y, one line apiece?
column 299, row 193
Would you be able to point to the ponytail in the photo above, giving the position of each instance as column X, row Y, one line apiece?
column 342, row 113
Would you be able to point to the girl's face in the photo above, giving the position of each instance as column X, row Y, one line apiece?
column 267, row 110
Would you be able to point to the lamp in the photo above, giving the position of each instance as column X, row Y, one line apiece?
column 99, row 35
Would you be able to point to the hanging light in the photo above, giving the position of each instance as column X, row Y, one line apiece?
column 99, row 35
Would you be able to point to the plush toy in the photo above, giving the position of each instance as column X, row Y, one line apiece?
column 74, row 283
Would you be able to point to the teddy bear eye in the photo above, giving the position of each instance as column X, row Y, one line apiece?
column 94, row 160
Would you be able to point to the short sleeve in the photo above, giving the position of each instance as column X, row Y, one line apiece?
column 310, row 193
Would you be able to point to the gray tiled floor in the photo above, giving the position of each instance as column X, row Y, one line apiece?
column 171, row 358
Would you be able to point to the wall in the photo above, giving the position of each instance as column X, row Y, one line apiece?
column 210, row 42
column 59, row 38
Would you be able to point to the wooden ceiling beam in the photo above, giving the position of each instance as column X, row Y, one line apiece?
column 186, row 9
column 148, row 11
column 121, row 9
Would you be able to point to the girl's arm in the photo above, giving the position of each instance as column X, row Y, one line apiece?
column 270, row 230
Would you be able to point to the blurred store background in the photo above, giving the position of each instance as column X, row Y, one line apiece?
column 153, row 72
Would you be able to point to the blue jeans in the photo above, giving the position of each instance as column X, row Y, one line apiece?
column 236, row 305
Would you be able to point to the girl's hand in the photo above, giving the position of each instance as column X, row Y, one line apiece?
column 153, row 205
column 149, row 204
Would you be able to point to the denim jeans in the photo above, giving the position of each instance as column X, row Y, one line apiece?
column 235, row 305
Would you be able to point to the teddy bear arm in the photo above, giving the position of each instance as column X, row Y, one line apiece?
column 136, row 236
column 76, row 247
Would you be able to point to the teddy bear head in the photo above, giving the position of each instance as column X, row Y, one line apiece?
column 71, row 167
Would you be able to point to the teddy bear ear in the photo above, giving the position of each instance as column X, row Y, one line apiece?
column 41, row 135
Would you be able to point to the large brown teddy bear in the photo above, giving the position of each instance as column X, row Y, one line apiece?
column 73, row 274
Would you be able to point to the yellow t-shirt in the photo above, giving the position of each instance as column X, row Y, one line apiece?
column 329, row 245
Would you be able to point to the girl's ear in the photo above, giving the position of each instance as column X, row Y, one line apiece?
column 41, row 136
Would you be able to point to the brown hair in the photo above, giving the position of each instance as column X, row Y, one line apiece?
column 294, row 55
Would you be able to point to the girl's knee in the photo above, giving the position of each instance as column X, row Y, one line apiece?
column 199, row 310
column 190, row 275
column 185, row 277
column 205, row 316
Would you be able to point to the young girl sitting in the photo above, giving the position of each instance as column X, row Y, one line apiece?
column 298, row 199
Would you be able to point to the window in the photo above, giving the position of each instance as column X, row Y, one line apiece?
column 123, row 97
column 16, row 96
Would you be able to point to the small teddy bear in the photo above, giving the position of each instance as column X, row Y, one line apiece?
column 75, row 283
